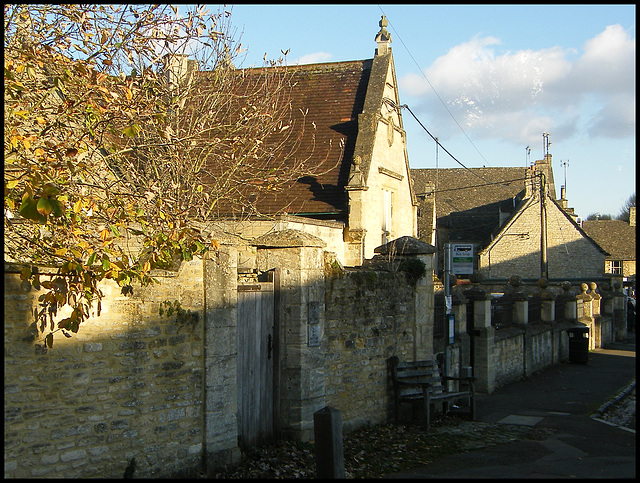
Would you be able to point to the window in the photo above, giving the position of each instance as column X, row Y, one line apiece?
column 616, row 267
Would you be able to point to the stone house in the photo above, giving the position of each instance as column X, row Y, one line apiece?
column 364, row 197
column 498, row 212
column 619, row 239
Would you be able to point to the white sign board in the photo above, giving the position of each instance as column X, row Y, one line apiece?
column 462, row 258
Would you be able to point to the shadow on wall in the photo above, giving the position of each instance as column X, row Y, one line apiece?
column 128, row 385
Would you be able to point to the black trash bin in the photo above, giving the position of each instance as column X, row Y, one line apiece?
column 578, row 345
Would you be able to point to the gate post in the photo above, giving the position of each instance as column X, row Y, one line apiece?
column 220, row 358
column 300, row 256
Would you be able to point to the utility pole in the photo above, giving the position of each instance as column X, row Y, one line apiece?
column 544, row 266
column 448, row 329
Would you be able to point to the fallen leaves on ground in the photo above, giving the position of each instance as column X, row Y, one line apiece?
column 376, row 451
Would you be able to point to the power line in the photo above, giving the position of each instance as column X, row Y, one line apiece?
column 503, row 183
column 434, row 90
column 445, row 149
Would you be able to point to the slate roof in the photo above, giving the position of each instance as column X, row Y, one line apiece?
column 615, row 236
column 329, row 97
column 469, row 202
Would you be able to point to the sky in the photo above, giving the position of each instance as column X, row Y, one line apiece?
column 487, row 81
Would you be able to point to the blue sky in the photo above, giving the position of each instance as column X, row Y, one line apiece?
column 506, row 74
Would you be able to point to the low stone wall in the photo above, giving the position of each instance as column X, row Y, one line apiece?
column 508, row 354
column 126, row 390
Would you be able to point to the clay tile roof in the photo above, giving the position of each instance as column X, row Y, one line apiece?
column 326, row 99
column 615, row 236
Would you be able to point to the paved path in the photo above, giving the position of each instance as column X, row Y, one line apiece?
column 560, row 404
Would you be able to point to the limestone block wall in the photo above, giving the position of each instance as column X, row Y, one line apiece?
column 128, row 386
column 369, row 317
column 539, row 348
column 508, row 355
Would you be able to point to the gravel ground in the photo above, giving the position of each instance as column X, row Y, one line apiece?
column 623, row 411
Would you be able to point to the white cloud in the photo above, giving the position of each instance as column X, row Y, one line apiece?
column 515, row 96
column 313, row 58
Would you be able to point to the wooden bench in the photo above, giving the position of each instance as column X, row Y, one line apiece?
column 423, row 381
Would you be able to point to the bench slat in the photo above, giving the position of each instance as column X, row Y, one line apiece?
column 422, row 380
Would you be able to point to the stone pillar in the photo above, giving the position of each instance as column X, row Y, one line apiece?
column 520, row 311
column 301, row 360
column 619, row 312
column 595, row 314
column 585, row 315
column 481, row 312
column 424, row 310
column 484, row 365
column 220, row 358
column 460, row 314
column 569, row 302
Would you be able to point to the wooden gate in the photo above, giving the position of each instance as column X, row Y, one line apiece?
column 256, row 361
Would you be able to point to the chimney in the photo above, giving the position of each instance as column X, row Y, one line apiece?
column 529, row 177
column 177, row 66
column 383, row 38
column 563, row 200
column 632, row 216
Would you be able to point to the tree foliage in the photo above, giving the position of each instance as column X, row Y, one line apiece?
column 118, row 152
column 626, row 208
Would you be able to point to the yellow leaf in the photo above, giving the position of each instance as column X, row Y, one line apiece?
column 77, row 206
column 20, row 68
column 104, row 234
column 41, row 120
column 147, row 266
column 26, row 143
column 39, row 152
column 61, row 252
column 128, row 93
column 13, row 183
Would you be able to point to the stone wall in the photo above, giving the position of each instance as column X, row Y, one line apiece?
column 138, row 389
column 128, row 386
column 369, row 317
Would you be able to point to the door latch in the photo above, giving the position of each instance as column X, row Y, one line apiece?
column 269, row 346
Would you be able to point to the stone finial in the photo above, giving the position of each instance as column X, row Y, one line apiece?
column 515, row 281
column 593, row 286
column 565, row 286
column 383, row 38
column 584, row 287
column 355, row 177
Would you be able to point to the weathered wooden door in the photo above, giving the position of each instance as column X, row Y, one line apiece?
column 256, row 361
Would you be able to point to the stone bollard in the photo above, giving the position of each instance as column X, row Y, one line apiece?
column 327, row 427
